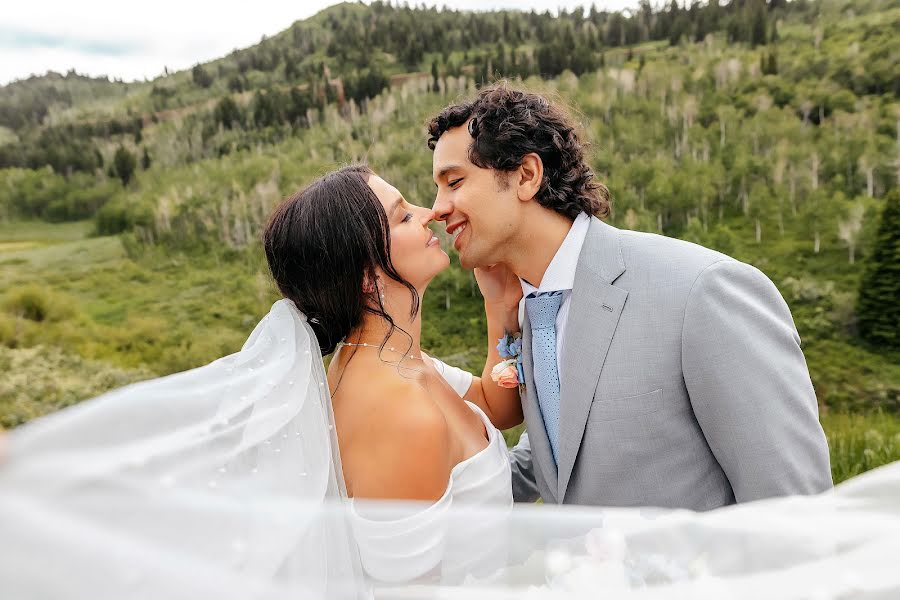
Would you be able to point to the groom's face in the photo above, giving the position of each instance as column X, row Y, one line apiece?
column 480, row 209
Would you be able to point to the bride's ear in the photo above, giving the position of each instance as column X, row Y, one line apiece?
column 372, row 285
column 369, row 283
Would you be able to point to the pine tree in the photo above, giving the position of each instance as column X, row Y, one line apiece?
column 265, row 109
column 124, row 164
column 201, row 77
column 878, row 308
column 227, row 112
column 500, row 60
column 758, row 25
column 768, row 63
column 236, row 84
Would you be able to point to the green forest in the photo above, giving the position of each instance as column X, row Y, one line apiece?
column 770, row 131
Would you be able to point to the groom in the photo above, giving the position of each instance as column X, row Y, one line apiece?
column 657, row 372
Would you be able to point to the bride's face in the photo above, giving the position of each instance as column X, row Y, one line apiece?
column 415, row 251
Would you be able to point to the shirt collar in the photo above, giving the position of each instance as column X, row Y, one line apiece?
column 560, row 273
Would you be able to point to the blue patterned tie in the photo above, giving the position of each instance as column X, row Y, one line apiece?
column 542, row 310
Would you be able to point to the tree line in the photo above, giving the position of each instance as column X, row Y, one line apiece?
column 359, row 48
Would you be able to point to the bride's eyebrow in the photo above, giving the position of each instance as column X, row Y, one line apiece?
column 395, row 205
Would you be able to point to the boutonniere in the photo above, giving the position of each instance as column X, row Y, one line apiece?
column 509, row 373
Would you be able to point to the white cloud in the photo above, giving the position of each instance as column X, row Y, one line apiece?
column 141, row 38
column 136, row 40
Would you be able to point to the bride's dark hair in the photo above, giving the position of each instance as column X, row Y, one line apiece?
column 323, row 244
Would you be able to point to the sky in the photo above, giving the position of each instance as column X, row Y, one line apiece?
column 135, row 40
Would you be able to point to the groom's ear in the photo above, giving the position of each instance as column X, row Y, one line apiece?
column 529, row 176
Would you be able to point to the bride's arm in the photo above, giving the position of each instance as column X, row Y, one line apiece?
column 502, row 291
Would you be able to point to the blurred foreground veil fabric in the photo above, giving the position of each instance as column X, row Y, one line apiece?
column 207, row 483
column 225, row 482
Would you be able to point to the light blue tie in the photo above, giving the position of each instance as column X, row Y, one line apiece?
column 542, row 311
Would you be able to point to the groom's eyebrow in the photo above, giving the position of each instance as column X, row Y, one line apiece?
column 443, row 173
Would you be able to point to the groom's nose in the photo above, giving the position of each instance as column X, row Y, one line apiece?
column 442, row 208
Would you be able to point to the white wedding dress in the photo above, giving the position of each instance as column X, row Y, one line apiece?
column 416, row 543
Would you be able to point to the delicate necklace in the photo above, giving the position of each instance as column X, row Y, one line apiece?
column 377, row 346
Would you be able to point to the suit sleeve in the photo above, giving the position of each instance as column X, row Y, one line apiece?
column 749, row 385
column 524, row 485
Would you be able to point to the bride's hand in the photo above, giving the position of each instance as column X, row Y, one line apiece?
column 499, row 286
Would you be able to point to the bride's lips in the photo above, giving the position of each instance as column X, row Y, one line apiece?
column 432, row 241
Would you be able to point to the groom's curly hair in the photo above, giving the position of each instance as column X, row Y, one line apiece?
column 507, row 124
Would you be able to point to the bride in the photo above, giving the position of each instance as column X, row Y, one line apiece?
column 355, row 257
column 220, row 479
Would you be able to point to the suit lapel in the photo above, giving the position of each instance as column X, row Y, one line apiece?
column 537, row 432
column 593, row 317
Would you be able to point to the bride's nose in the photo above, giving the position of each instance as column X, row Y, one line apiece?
column 427, row 216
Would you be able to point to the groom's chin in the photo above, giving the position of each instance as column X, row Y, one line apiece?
column 466, row 263
column 467, row 260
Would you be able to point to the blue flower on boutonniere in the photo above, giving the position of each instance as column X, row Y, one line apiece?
column 509, row 373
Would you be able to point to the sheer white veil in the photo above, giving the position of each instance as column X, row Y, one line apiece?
column 225, row 482
column 213, row 480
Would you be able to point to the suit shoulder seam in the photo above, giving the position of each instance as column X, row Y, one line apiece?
column 690, row 293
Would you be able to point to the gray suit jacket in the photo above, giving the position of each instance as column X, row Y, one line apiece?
column 682, row 384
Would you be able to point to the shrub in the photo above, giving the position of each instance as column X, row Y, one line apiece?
column 38, row 304
column 42, row 380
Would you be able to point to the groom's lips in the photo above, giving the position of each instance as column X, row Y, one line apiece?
column 452, row 229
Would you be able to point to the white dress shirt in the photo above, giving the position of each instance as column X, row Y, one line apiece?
column 560, row 277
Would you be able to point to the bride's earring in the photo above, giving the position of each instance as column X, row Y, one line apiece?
column 380, row 290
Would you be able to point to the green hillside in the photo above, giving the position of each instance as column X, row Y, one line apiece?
column 130, row 212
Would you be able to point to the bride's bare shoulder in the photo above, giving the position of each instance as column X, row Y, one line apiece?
column 396, row 442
